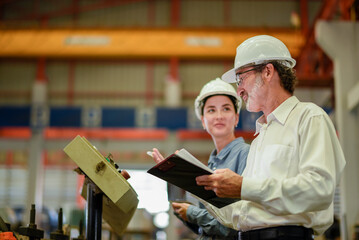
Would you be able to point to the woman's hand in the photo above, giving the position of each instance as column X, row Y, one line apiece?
column 157, row 156
column 181, row 209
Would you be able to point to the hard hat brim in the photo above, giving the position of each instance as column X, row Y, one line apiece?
column 229, row 76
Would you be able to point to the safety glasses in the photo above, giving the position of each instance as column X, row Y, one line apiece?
column 240, row 78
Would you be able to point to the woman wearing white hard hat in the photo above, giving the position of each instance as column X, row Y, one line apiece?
column 218, row 107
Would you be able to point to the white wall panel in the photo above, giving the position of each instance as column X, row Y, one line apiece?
column 160, row 74
column 194, row 75
column 313, row 9
column 269, row 13
column 110, row 77
column 194, row 13
column 262, row 13
column 58, row 75
column 59, row 187
column 162, row 13
column 202, row 13
column 16, row 77
column 13, row 188
column 118, row 84
column 62, row 22
column 321, row 97
column 58, row 78
column 44, row 7
column 129, row 14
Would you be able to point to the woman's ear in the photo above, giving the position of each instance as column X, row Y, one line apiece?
column 236, row 121
column 203, row 123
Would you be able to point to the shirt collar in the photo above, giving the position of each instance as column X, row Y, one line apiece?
column 280, row 114
column 224, row 152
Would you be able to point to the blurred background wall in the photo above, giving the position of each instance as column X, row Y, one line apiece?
column 125, row 74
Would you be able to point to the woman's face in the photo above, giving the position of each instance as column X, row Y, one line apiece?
column 219, row 116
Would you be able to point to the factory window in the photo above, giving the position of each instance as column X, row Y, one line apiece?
column 151, row 191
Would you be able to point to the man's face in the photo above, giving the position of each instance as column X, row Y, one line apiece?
column 250, row 88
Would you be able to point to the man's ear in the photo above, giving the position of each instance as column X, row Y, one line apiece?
column 268, row 71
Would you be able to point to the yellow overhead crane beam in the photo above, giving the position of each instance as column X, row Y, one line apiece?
column 135, row 43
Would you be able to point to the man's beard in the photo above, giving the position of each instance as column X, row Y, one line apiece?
column 254, row 93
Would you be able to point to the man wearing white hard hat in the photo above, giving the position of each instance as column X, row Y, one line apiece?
column 295, row 161
column 217, row 106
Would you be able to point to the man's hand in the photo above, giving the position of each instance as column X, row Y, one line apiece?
column 181, row 209
column 224, row 182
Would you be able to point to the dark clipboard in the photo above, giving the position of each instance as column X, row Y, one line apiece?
column 182, row 173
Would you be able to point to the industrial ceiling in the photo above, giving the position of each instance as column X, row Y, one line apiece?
column 23, row 27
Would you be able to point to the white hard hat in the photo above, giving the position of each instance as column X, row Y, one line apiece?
column 257, row 50
column 215, row 87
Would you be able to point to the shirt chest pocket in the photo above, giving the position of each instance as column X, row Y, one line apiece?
column 276, row 161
